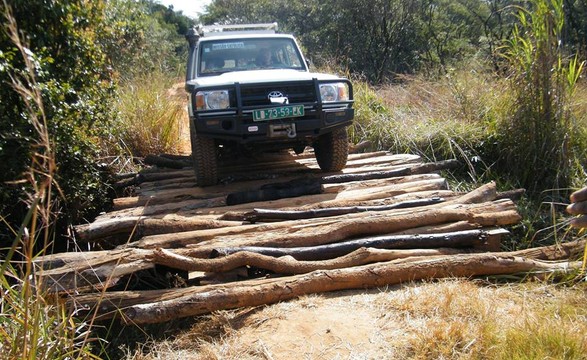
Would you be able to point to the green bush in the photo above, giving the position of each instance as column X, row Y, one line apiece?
column 540, row 141
column 75, row 90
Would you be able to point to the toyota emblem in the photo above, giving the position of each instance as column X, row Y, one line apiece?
column 275, row 94
column 277, row 97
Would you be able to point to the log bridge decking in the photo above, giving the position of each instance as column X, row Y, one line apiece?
column 277, row 228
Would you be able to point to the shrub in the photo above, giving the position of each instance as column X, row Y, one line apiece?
column 75, row 89
column 33, row 324
column 150, row 119
column 540, row 140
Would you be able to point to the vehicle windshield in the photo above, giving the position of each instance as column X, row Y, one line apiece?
column 220, row 56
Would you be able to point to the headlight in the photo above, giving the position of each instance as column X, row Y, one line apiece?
column 334, row 92
column 212, row 100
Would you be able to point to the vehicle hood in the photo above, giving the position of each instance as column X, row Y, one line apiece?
column 257, row 77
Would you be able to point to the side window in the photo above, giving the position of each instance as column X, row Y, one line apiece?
column 291, row 55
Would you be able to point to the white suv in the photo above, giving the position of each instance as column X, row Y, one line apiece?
column 251, row 88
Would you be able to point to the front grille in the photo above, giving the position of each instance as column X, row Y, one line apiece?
column 256, row 95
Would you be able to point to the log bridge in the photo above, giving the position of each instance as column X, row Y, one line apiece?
column 276, row 228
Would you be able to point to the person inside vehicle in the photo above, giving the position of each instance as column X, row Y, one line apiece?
column 264, row 57
column 215, row 63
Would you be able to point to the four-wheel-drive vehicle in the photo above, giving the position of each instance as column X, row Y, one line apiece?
column 250, row 89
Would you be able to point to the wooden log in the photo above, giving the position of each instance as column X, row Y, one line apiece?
column 135, row 227
column 163, row 305
column 149, row 188
column 176, row 193
column 370, row 175
column 238, row 213
column 515, row 194
column 355, row 191
column 90, row 271
column 369, row 185
column 124, row 183
column 184, row 158
column 123, row 176
column 265, row 215
column 388, row 159
column 357, row 148
column 442, row 228
column 73, row 271
column 275, row 191
column 364, row 192
column 162, row 194
column 408, row 170
column 149, row 177
column 165, row 162
column 331, row 232
column 460, row 239
column 320, row 231
column 165, row 208
column 288, row 264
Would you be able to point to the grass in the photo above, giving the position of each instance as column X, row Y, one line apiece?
column 454, row 117
column 449, row 319
column 151, row 117
column 33, row 323
column 466, row 115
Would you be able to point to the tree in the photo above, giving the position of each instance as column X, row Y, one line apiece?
column 379, row 38
column 75, row 84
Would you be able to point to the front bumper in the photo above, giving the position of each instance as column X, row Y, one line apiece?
column 243, row 129
column 236, row 123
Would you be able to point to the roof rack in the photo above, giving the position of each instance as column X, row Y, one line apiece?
column 219, row 30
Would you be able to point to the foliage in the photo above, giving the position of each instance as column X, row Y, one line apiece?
column 378, row 38
column 75, row 88
column 575, row 33
column 79, row 50
column 453, row 117
column 540, row 139
column 140, row 37
column 149, row 117
column 34, row 325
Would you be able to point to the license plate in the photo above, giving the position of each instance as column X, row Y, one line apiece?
column 278, row 112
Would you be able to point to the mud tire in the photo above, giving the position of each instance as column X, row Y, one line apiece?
column 205, row 159
column 332, row 150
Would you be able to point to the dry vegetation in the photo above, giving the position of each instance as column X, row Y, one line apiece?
column 452, row 319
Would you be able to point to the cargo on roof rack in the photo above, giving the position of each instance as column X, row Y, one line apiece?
column 219, row 30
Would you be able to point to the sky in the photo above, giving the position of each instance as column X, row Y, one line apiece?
column 189, row 8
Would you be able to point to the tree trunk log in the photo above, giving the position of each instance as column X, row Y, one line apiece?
column 322, row 231
column 288, row 264
column 100, row 269
column 265, row 215
column 274, row 192
column 460, row 239
column 141, row 307
column 132, row 228
column 165, row 162
column 357, row 191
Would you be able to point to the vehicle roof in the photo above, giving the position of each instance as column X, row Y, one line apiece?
column 246, row 36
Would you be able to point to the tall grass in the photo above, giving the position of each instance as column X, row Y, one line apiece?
column 452, row 117
column 33, row 324
column 150, row 116
column 540, row 139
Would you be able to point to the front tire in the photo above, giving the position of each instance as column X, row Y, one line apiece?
column 332, row 150
column 205, row 159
